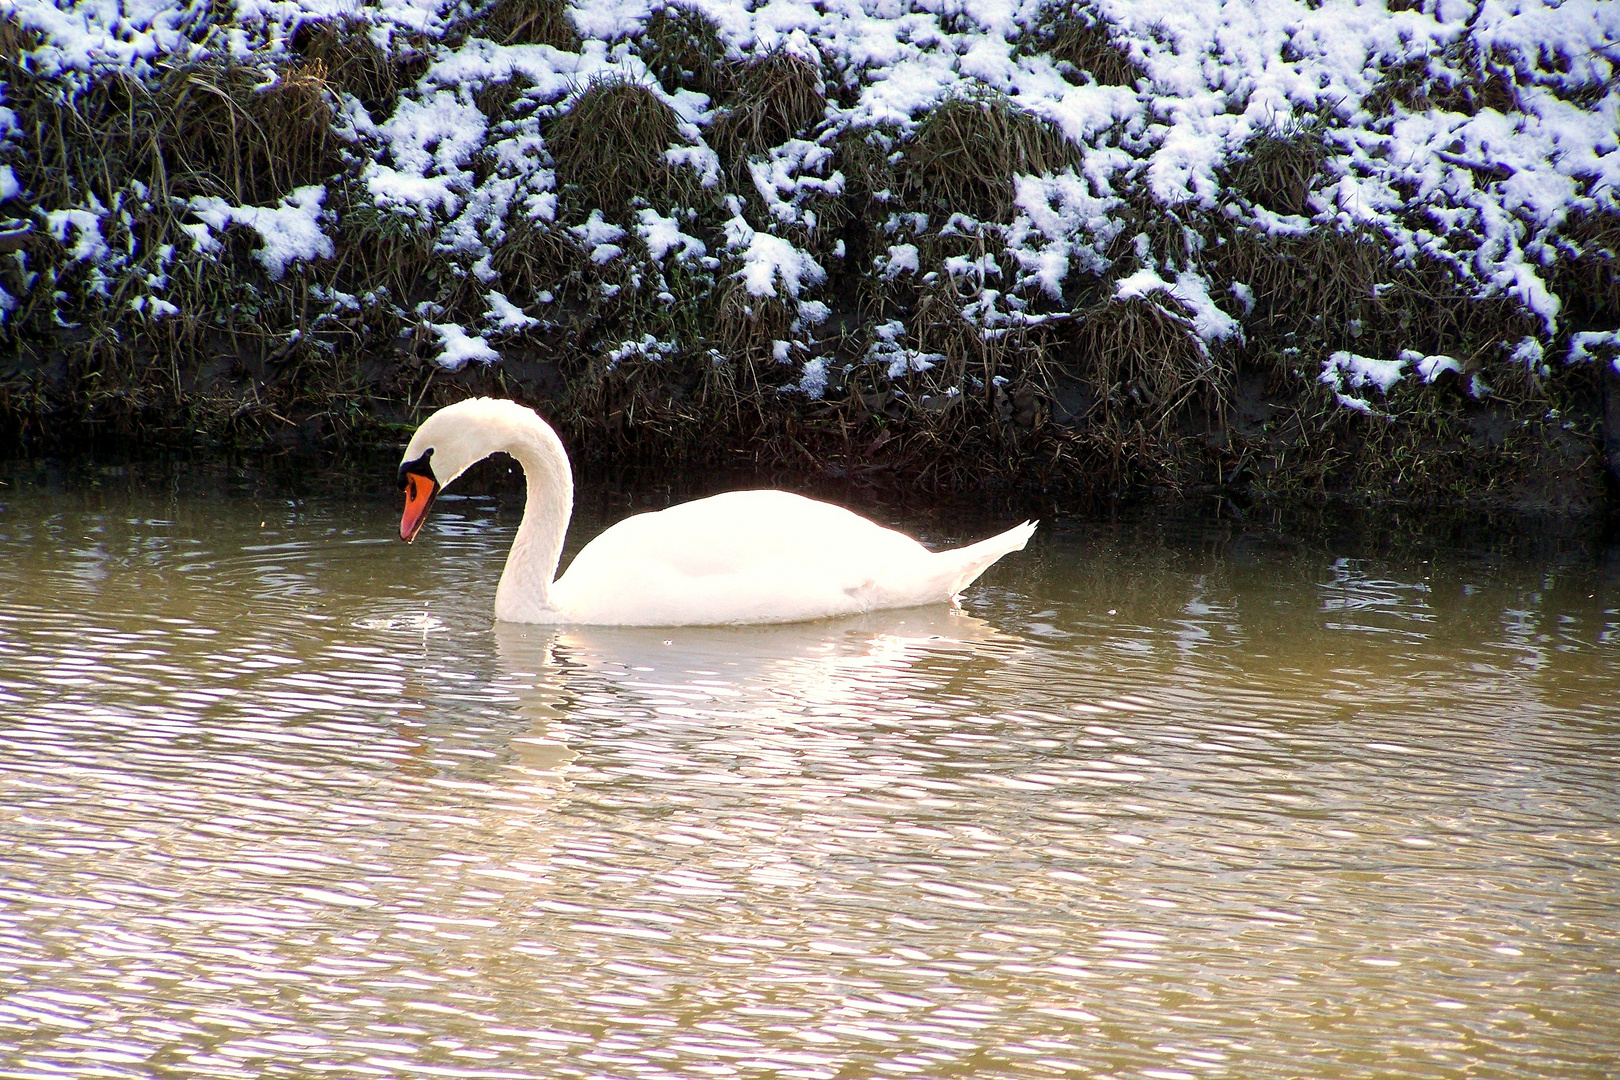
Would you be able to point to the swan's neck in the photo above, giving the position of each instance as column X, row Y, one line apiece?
column 524, row 594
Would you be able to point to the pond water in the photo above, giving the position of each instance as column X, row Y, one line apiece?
column 1166, row 799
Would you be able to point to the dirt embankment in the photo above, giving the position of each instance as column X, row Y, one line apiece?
column 686, row 242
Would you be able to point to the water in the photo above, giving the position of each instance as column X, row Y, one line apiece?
column 1164, row 801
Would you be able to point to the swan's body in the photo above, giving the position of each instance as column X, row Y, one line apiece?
column 741, row 557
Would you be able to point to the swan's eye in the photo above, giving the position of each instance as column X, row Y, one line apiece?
column 422, row 467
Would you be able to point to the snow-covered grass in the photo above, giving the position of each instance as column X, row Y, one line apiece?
column 1001, row 219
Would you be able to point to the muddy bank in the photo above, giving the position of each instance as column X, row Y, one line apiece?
column 1263, row 449
column 1100, row 250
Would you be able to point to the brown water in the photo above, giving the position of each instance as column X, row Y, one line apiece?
column 277, row 800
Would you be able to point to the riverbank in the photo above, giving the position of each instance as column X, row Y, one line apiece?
column 1319, row 250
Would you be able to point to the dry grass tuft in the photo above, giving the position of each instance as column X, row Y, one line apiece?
column 495, row 99
column 287, row 126
column 527, row 22
column 1357, row 296
column 609, row 146
column 779, row 96
column 746, row 325
column 1138, row 359
column 1280, row 166
column 354, row 63
column 1105, row 395
column 210, row 128
column 862, row 155
column 1083, row 45
column 16, row 41
column 965, row 152
column 683, row 50
column 1588, row 277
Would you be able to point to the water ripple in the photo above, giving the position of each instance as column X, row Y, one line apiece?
column 275, row 799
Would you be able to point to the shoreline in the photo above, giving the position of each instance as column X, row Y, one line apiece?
column 1072, row 257
column 295, row 464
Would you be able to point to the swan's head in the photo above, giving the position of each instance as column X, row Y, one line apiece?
column 447, row 444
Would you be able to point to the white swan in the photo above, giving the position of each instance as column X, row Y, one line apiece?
column 741, row 557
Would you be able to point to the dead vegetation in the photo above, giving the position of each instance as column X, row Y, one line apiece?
column 246, row 133
column 610, row 143
column 1139, row 359
column 1589, row 274
column 354, row 64
column 675, row 361
column 1280, row 166
column 682, row 48
column 1081, row 46
column 777, row 97
column 967, row 150
column 526, row 22
column 1460, row 78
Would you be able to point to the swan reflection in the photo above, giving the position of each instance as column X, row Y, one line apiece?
column 835, row 666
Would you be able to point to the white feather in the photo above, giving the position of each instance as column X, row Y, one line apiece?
column 741, row 557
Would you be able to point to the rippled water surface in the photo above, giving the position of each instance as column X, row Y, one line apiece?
column 277, row 799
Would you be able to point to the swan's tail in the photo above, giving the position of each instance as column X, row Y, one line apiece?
column 969, row 562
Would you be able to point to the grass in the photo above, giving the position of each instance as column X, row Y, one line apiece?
column 354, row 64
column 210, row 128
column 526, row 22
column 1082, row 46
column 965, row 152
column 1280, row 166
column 682, row 48
column 1460, row 78
column 777, row 97
column 1139, row 360
column 609, row 145
column 1091, row 394
column 1589, row 275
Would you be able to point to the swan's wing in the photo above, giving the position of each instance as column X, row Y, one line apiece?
column 742, row 531
column 745, row 556
column 648, row 595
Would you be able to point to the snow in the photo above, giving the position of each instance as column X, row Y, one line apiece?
column 663, row 234
column 83, row 228
column 902, row 260
column 1530, row 353
column 813, row 381
column 649, row 347
column 1429, row 368
column 1208, row 321
column 599, row 237
column 506, row 315
column 1347, row 370
column 1591, row 345
column 898, row 361
column 428, row 142
column 289, row 232
column 767, row 260
column 154, row 307
column 456, row 347
column 1062, row 223
column 1484, row 192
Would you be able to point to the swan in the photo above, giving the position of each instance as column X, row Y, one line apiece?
column 737, row 558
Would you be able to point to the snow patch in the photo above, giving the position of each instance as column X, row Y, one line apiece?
column 768, row 260
column 290, row 232
column 1429, row 368
column 456, row 347
column 507, row 316
column 1348, row 370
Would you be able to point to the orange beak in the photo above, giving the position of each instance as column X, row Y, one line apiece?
column 419, row 493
